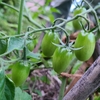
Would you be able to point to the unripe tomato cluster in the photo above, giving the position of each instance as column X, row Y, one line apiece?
column 62, row 56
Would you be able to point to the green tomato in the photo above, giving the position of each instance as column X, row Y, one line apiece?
column 48, row 47
column 87, row 42
column 31, row 45
column 3, row 46
column 20, row 72
column 61, row 59
column 76, row 22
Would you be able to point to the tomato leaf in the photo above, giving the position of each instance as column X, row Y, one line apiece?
column 21, row 95
column 9, row 89
column 55, row 10
column 15, row 44
column 2, row 81
column 32, row 55
column 6, row 87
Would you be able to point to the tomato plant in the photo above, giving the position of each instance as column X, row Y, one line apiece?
column 61, row 59
column 48, row 47
column 22, row 37
column 76, row 22
column 20, row 71
column 3, row 46
column 86, row 40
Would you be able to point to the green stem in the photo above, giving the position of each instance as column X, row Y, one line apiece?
column 34, row 31
column 62, row 88
column 24, row 53
column 79, row 15
column 45, row 62
column 6, row 37
column 97, row 7
column 30, row 27
column 11, row 61
column 67, row 35
column 42, row 29
column 30, row 32
column 66, row 21
column 95, row 14
column 20, row 16
column 24, row 49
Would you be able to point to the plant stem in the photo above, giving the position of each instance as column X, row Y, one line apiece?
column 97, row 7
column 66, row 21
column 20, row 17
column 94, row 12
column 24, row 53
column 62, row 88
column 30, row 32
column 36, row 30
column 66, row 33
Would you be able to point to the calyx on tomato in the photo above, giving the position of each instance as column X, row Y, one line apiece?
column 87, row 42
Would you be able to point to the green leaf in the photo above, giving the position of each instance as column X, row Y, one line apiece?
column 21, row 95
column 51, row 17
column 2, row 85
column 55, row 10
column 6, row 87
column 9, row 89
column 15, row 44
column 35, row 15
column 47, row 2
column 32, row 55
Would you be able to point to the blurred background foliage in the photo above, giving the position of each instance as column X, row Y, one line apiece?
column 9, row 17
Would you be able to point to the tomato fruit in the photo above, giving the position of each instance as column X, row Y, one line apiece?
column 61, row 59
column 76, row 22
column 87, row 42
column 3, row 46
column 31, row 45
column 20, row 72
column 48, row 47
